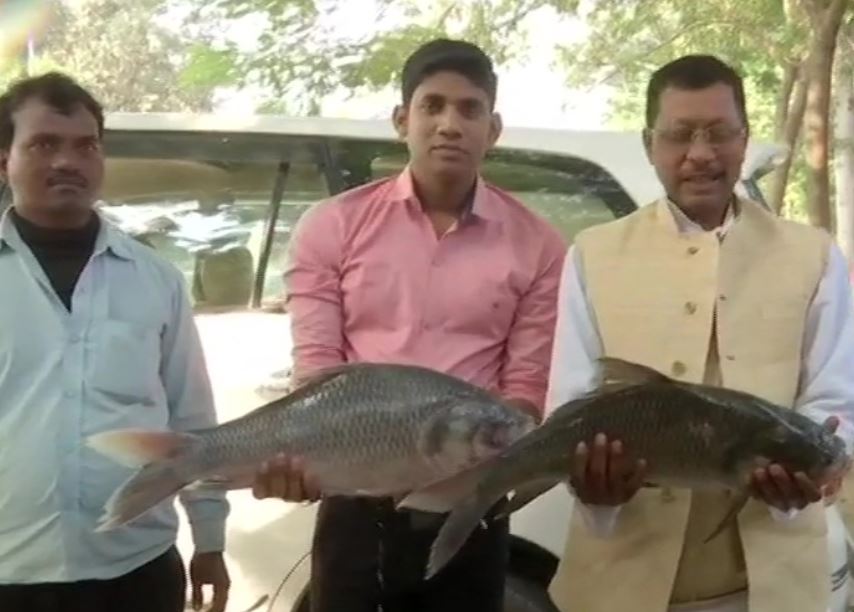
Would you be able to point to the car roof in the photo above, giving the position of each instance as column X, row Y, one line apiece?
column 619, row 152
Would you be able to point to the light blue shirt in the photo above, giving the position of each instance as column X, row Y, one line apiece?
column 127, row 355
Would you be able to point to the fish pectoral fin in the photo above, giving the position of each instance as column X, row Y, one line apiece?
column 139, row 447
column 443, row 495
column 615, row 372
column 458, row 527
column 420, row 520
column 525, row 494
column 222, row 483
column 738, row 503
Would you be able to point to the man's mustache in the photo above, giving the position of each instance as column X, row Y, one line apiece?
column 67, row 178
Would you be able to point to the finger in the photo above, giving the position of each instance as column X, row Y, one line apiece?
column 280, row 477
column 832, row 487
column 831, row 423
column 768, row 491
column 296, row 480
column 637, row 477
column 312, row 487
column 578, row 473
column 220, row 598
column 197, row 598
column 261, row 486
column 598, row 467
column 789, row 490
column 616, row 472
column 807, row 488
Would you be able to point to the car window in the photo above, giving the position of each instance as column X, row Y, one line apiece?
column 569, row 192
column 205, row 206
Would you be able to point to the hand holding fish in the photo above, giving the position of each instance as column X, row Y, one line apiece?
column 603, row 476
column 285, row 478
column 791, row 491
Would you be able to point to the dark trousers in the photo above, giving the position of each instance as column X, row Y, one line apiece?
column 368, row 557
column 158, row 586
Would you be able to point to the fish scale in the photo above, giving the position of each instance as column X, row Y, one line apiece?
column 690, row 435
column 361, row 429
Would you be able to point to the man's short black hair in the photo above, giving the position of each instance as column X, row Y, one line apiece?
column 693, row 72
column 444, row 54
column 55, row 89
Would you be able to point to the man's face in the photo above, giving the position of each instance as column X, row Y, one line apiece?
column 448, row 126
column 55, row 165
column 698, row 171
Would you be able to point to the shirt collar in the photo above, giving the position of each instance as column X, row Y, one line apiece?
column 109, row 237
column 685, row 225
column 403, row 190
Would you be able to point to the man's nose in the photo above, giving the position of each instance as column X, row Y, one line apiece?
column 449, row 122
column 700, row 150
column 64, row 160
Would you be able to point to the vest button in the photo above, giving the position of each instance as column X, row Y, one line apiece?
column 693, row 250
column 678, row 368
column 690, row 307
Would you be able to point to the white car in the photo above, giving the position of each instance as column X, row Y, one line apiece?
column 219, row 198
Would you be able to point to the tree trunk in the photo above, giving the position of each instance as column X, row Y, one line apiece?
column 788, row 133
column 844, row 154
column 817, row 115
column 790, row 79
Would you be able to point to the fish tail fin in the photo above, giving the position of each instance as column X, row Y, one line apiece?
column 148, row 487
column 138, row 447
column 738, row 503
column 460, row 524
column 156, row 454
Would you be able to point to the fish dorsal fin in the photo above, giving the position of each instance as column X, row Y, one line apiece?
column 619, row 373
column 322, row 375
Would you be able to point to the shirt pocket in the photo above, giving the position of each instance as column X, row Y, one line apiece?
column 126, row 361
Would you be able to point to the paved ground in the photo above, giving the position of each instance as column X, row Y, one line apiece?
column 266, row 537
column 242, row 351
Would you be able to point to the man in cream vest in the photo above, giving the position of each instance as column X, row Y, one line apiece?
column 705, row 287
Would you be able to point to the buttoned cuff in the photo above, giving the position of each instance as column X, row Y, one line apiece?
column 208, row 535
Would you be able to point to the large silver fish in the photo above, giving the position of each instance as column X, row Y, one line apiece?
column 690, row 435
column 361, row 429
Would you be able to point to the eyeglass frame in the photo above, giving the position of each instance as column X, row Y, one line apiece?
column 732, row 135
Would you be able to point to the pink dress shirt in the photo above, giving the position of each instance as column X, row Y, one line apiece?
column 369, row 281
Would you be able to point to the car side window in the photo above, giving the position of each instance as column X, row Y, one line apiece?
column 205, row 206
column 569, row 192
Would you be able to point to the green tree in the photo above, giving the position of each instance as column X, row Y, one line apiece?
column 125, row 54
column 301, row 57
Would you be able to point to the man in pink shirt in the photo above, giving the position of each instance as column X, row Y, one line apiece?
column 432, row 267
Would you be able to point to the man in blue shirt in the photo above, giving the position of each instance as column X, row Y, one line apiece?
column 96, row 333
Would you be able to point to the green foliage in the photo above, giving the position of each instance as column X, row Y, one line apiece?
column 758, row 37
column 126, row 55
column 301, row 57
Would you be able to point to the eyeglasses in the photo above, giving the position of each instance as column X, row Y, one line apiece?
column 715, row 136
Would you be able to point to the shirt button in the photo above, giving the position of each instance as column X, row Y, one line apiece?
column 678, row 368
column 690, row 307
column 75, row 338
column 70, row 394
column 693, row 250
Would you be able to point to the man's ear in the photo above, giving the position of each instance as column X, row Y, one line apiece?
column 646, row 135
column 495, row 129
column 400, row 119
column 4, row 165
